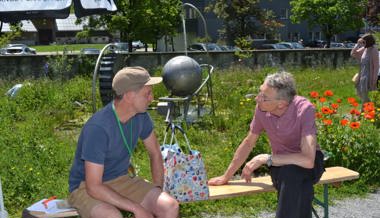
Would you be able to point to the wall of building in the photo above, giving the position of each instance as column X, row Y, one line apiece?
column 26, row 67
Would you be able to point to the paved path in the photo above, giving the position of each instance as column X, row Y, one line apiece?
column 367, row 207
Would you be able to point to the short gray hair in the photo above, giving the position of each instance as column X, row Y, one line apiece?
column 284, row 84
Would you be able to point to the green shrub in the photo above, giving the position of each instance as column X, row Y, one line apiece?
column 349, row 136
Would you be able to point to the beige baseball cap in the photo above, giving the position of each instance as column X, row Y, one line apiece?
column 132, row 78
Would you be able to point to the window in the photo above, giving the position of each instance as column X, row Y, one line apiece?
column 311, row 35
column 317, row 35
column 284, row 13
column 191, row 13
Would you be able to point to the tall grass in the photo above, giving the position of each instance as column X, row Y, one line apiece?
column 41, row 124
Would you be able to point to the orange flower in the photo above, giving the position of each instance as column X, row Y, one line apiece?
column 314, row 94
column 322, row 100
column 369, row 106
column 335, row 106
column 351, row 100
column 326, row 110
column 328, row 93
column 354, row 111
column 370, row 115
column 355, row 104
column 318, row 115
column 355, row 125
column 327, row 122
column 338, row 100
column 344, row 122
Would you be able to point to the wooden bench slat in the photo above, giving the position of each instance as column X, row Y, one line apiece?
column 264, row 184
column 240, row 187
column 338, row 174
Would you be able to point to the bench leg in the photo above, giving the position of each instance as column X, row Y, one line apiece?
column 324, row 203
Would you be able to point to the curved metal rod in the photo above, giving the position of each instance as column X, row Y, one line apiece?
column 184, row 24
column 211, row 69
column 94, row 76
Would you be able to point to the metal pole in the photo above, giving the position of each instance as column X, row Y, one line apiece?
column 200, row 14
column 184, row 24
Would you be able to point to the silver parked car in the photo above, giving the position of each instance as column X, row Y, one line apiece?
column 204, row 47
column 19, row 49
column 292, row 45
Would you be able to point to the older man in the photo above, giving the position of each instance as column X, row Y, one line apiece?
column 99, row 182
column 296, row 162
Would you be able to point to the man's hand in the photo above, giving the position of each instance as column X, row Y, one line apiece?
column 252, row 165
column 221, row 180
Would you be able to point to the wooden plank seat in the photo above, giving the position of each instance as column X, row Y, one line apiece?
column 258, row 185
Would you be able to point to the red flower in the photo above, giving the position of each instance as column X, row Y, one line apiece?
column 314, row 94
column 369, row 106
column 328, row 93
column 354, row 112
column 351, row 100
column 322, row 100
column 326, row 110
column 318, row 115
column 338, row 100
column 355, row 104
column 327, row 122
column 335, row 106
column 355, row 125
column 343, row 122
column 370, row 115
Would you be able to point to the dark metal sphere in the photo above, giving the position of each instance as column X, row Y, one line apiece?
column 182, row 75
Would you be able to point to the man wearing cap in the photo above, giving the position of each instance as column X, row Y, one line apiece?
column 99, row 183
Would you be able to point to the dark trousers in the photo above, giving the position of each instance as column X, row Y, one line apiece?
column 294, row 187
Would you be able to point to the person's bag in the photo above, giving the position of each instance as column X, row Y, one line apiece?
column 185, row 175
column 355, row 78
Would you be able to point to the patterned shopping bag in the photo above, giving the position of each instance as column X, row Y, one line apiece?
column 185, row 175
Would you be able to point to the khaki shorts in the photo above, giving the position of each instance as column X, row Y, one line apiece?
column 134, row 189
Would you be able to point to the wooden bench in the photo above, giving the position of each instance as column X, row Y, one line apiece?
column 333, row 175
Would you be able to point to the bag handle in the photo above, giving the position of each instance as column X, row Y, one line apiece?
column 173, row 127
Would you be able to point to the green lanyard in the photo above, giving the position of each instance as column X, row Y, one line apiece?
column 122, row 132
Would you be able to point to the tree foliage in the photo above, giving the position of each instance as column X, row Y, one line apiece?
column 333, row 16
column 243, row 18
column 145, row 20
column 15, row 32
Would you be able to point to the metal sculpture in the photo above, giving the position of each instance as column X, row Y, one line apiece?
column 182, row 75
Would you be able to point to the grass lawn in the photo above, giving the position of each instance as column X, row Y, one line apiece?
column 41, row 125
column 70, row 47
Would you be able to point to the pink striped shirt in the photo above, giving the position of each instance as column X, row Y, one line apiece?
column 285, row 132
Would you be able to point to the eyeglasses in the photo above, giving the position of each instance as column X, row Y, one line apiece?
column 262, row 98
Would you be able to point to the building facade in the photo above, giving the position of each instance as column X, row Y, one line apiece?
column 289, row 31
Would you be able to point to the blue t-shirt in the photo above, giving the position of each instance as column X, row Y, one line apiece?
column 101, row 142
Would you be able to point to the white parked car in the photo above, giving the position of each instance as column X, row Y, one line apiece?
column 137, row 44
column 19, row 49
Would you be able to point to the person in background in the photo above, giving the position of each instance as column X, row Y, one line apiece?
column 99, row 183
column 296, row 162
column 366, row 52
